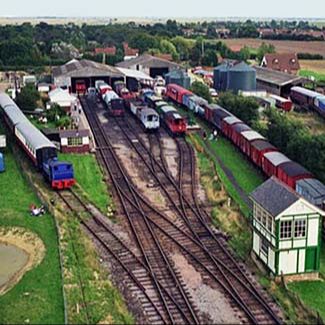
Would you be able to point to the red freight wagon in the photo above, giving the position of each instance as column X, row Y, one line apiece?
column 282, row 103
column 227, row 123
column 236, row 130
column 245, row 140
column 209, row 112
column 290, row 172
column 218, row 116
column 258, row 149
column 271, row 161
column 176, row 93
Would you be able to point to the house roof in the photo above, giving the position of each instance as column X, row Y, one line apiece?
column 274, row 196
column 128, row 51
column 105, row 50
column 85, row 68
column 276, row 77
column 149, row 61
column 60, row 94
column 286, row 62
column 73, row 133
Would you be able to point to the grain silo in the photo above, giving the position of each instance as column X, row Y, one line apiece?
column 178, row 77
column 241, row 77
column 220, row 77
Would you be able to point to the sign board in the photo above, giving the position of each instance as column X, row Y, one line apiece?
column 3, row 141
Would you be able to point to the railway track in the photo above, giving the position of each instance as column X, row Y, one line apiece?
column 175, row 302
column 235, row 280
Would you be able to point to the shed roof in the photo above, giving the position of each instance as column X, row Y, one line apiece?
column 73, row 133
column 292, row 168
column 276, row 77
column 148, row 61
column 276, row 158
column 138, row 75
column 274, row 196
column 262, row 145
column 252, row 135
column 85, row 68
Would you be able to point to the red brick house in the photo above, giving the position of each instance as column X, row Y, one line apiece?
column 129, row 53
column 74, row 141
column 105, row 50
column 284, row 62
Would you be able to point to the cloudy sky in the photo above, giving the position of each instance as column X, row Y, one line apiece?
column 165, row 8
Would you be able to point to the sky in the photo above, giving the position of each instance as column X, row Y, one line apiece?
column 164, row 8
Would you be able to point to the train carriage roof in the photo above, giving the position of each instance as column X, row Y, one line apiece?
column 232, row 120
column 149, row 111
column 241, row 127
column 292, row 168
column 34, row 137
column 305, row 91
column 15, row 114
column 167, row 109
column 262, row 145
column 252, row 135
column 276, row 158
column 314, row 187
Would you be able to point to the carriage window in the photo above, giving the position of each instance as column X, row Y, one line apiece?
column 300, row 228
column 286, row 229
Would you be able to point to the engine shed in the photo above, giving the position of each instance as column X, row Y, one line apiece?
column 286, row 231
column 76, row 75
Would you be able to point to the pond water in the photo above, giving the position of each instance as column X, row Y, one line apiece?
column 12, row 259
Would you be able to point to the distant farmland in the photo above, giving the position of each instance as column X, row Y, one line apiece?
column 281, row 46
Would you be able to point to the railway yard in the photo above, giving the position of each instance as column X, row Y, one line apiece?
column 183, row 184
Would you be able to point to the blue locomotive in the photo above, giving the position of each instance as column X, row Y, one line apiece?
column 41, row 151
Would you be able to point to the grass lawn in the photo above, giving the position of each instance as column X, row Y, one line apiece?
column 90, row 178
column 44, row 305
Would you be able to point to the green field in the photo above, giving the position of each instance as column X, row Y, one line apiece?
column 44, row 305
column 309, row 73
column 90, row 178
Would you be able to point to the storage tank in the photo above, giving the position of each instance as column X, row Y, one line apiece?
column 241, row 77
column 178, row 77
column 220, row 77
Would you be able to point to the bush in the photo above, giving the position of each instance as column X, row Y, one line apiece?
column 201, row 90
column 28, row 97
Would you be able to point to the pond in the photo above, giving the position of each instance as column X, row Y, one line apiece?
column 12, row 260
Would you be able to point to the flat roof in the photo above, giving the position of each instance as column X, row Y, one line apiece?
column 86, row 68
column 276, row 77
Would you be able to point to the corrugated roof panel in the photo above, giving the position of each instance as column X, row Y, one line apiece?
column 276, row 158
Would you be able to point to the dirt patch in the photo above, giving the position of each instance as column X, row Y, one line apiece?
column 209, row 300
column 27, row 241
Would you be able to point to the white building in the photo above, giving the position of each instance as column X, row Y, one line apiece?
column 62, row 98
column 286, row 230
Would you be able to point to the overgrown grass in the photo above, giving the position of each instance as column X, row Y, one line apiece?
column 225, row 214
column 44, row 304
column 312, row 294
column 90, row 178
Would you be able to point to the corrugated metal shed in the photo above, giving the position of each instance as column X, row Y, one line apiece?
column 274, row 196
column 276, row 158
column 178, row 77
column 312, row 190
column 252, row 135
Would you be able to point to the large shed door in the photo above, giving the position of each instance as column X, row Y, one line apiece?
column 311, row 259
